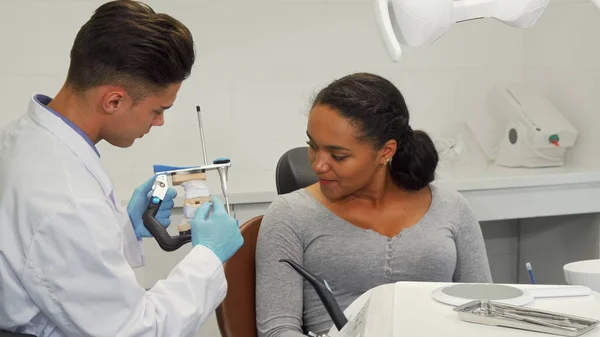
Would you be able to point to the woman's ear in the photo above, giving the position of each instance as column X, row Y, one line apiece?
column 387, row 151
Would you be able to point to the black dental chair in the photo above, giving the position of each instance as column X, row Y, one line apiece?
column 294, row 171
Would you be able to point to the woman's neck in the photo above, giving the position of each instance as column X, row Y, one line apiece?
column 382, row 192
column 375, row 194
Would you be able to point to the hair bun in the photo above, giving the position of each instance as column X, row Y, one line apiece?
column 413, row 165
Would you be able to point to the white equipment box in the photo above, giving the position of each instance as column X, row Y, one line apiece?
column 521, row 128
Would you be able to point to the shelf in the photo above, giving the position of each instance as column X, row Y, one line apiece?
column 494, row 192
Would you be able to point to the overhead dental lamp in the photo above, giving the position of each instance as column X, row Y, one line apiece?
column 416, row 23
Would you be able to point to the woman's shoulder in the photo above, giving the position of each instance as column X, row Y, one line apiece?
column 297, row 205
column 296, row 200
column 446, row 194
column 296, row 212
column 449, row 201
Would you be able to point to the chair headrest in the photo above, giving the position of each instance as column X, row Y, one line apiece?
column 294, row 171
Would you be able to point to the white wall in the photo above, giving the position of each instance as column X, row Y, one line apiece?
column 260, row 61
column 561, row 56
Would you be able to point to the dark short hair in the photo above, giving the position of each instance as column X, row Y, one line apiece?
column 125, row 42
column 378, row 109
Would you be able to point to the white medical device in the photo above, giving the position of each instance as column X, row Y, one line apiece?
column 416, row 23
column 521, row 128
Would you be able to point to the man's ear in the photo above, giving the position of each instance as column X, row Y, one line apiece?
column 114, row 100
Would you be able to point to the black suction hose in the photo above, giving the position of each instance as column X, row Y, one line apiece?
column 331, row 305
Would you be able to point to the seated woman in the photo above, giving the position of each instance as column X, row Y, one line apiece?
column 373, row 218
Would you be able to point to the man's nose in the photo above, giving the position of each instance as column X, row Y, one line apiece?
column 159, row 120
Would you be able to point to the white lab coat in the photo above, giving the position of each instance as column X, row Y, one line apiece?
column 67, row 249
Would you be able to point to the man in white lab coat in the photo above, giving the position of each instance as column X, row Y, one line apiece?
column 67, row 247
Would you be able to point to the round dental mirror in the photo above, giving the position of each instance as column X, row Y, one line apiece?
column 459, row 294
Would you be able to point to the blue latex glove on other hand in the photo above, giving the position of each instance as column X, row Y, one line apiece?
column 219, row 233
column 139, row 202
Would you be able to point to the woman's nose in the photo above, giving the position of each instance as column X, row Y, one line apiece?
column 320, row 164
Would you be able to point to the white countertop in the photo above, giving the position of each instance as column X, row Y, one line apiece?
column 470, row 173
column 471, row 178
column 416, row 313
column 494, row 193
column 477, row 178
column 464, row 178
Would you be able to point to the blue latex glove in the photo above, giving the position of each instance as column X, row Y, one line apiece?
column 219, row 233
column 139, row 202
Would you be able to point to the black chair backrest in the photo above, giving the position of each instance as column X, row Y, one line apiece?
column 294, row 171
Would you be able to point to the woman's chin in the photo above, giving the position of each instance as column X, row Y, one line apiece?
column 331, row 192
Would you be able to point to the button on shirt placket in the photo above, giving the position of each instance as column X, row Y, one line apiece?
column 389, row 254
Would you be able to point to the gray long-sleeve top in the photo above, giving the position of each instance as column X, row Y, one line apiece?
column 446, row 245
